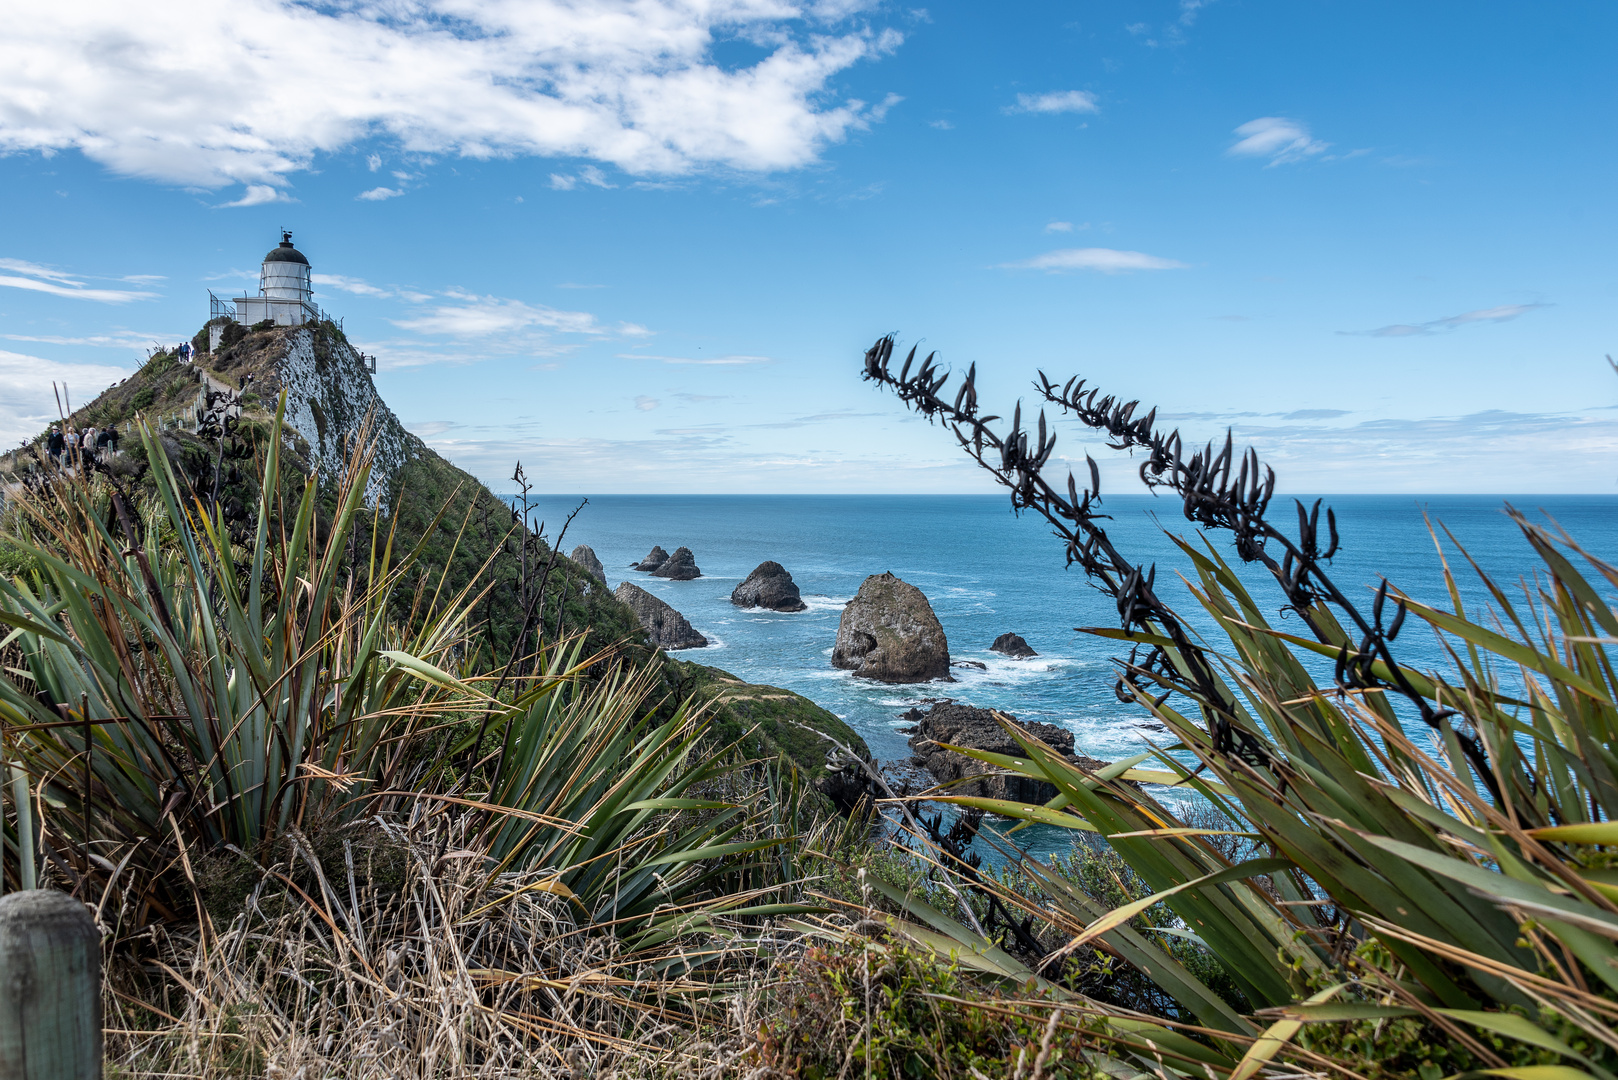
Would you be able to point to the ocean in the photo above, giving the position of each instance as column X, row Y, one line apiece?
column 987, row 571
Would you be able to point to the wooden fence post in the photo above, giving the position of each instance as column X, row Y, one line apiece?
column 50, row 988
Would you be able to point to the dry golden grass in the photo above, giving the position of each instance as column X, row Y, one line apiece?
column 439, row 973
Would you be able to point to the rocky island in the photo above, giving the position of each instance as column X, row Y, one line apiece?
column 769, row 586
column 964, row 725
column 889, row 633
column 665, row 627
column 1012, row 645
column 584, row 558
column 654, row 558
column 681, row 566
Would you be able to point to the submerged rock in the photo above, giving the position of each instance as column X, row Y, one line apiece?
column 1012, row 645
column 768, row 586
column 889, row 633
column 654, row 558
column 974, row 728
column 680, row 566
column 978, row 665
column 666, row 627
column 585, row 557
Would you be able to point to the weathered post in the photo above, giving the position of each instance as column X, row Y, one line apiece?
column 50, row 988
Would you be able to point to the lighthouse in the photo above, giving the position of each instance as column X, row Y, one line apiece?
column 285, row 294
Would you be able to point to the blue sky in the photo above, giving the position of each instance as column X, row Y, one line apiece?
column 642, row 246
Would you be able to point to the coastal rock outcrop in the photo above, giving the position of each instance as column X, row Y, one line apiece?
column 654, row 558
column 666, row 627
column 964, row 725
column 681, row 566
column 585, row 557
column 768, row 586
column 889, row 633
column 1012, row 645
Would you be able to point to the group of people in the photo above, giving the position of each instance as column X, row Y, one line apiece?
column 186, row 351
column 67, row 445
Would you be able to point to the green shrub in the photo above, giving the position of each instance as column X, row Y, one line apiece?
column 873, row 1010
column 14, row 561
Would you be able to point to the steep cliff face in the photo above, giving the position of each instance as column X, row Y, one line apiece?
column 330, row 394
column 330, row 398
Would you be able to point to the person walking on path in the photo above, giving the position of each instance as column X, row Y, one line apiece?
column 55, row 444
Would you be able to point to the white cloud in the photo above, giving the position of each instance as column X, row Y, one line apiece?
column 27, row 402
column 715, row 361
column 35, row 270
column 256, row 194
column 35, row 278
column 1106, row 260
column 1484, row 452
column 1277, row 138
column 941, row 125
column 123, row 339
column 377, row 194
column 357, row 286
column 629, row 329
column 485, row 316
column 645, row 404
column 1057, row 101
column 373, row 162
column 1059, row 226
column 563, row 183
column 427, row 429
column 197, row 93
column 1504, row 313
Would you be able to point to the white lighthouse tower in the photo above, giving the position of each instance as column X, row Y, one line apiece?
column 285, row 294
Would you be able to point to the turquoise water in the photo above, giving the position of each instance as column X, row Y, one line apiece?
column 987, row 571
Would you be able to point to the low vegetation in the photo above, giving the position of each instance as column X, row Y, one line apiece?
column 329, row 829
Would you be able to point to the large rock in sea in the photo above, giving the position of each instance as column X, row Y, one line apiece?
column 585, row 558
column 681, row 566
column 654, row 558
column 974, row 728
column 768, row 586
column 665, row 627
column 889, row 633
column 1012, row 645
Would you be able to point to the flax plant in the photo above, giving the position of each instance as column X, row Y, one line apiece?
column 179, row 694
column 1425, row 847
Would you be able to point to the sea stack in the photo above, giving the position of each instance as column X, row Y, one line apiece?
column 667, row 628
column 889, row 633
column 681, row 566
column 654, row 558
column 585, row 557
column 1012, row 645
column 768, row 586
